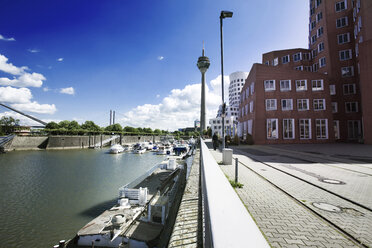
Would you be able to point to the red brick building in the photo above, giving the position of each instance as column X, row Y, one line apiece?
column 318, row 94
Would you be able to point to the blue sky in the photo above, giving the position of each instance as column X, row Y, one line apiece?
column 138, row 58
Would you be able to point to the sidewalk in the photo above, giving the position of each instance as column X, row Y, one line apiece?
column 282, row 219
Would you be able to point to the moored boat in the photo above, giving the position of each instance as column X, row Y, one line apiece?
column 115, row 149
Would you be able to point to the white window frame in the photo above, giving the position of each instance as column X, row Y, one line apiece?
column 299, row 68
column 332, row 89
column 346, row 89
column 345, row 54
column 313, row 39
column 269, row 123
column 340, row 6
column 271, row 104
column 321, row 125
column 299, row 86
column 297, row 57
column 334, row 107
column 286, row 134
column 322, row 62
column 319, row 32
column 320, row 47
column 304, row 123
column 252, row 88
column 286, row 59
column 251, row 109
column 336, row 128
column 340, row 20
column 267, row 83
column 286, row 103
column 350, row 68
column 351, row 107
column 317, row 103
column 355, row 123
column 300, row 104
column 317, row 87
column 319, row 16
column 275, row 61
column 283, row 82
column 345, row 38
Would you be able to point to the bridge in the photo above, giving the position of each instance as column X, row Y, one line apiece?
column 28, row 116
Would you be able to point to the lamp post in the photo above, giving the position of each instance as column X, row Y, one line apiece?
column 224, row 14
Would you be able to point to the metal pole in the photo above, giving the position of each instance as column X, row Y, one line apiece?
column 236, row 170
column 223, row 93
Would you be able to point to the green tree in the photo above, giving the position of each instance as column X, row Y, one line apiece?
column 52, row 125
column 157, row 131
column 64, row 124
column 147, row 130
column 7, row 124
column 139, row 129
column 114, row 128
column 91, row 126
column 73, row 125
column 129, row 129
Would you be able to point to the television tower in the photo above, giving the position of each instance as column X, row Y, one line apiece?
column 203, row 65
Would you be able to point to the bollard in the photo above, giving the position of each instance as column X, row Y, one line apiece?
column 236, row 170
column 62, row 243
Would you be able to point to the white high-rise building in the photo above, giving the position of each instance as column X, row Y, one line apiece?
column 236, row 80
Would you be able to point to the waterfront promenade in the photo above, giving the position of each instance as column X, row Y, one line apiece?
column 307, row 195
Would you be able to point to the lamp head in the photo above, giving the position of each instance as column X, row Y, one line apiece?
column 226, row 14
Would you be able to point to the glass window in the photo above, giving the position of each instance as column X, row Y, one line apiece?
column 287, row 104
column 354, row 129
column 321, row 128
column 301, row 85
column 305, row 128
column 349, row 89
column 252, row 88
column 313, row 39
column 317, row 85
column 342, row 22
column 320, row 47
column 320, row 32
column 302, row 104
column 340, row 6
column 275, row 62
column 285, row 59
column 319, row 104
column 345, row 54
column 351, row 107
column 296, row 57
column 332, row 89
column 285, row 85
column 269, row 85
column 322, row 62
column 251, row 107
column 347, row 71
column 334, row 107
column 270, row 104
column 272, row 128
column 336, row 128
column 319, row 16
column 288, row 129
column 343, row 38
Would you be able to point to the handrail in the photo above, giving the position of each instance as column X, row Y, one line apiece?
column 227, row 222
column 6, row 139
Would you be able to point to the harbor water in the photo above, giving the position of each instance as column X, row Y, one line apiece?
column 46, row 196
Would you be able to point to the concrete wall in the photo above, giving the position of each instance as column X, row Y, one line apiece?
column 27, row 143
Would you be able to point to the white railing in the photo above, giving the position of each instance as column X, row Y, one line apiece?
column 6, row 139
column 227, row 222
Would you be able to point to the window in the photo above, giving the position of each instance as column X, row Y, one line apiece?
column 343, row 38
column 251, row 107
column 301, row 85
column 313, row 39
column 288, row 129
column 267, row 63
column 320, row 47
column 252, row 88
column 285, row 85
column 359, row 23
column 345, row 54
column 272, row 128
column 322, row 62
column 356, row 50
column 349, row 89
column 340, row 6
column 270, row 104
column 302, row 104
column 308, row 68
column 275, row 62
column 312, row 11
column 312, row 25
column 296, row 57
column 351, row 107
column 336, row 128
column 299, row 68
column 246, row 92
column 315, row 67
column 320, row 31
column 285, row 59
column 319, row 104
column 306, row 56
column 347, row 71
column 334, row 107
column 353, row 129
column 305, row 128
column 314, row 53
column 319, row 16
column 332, row 89
column 317, row 85
column 269, row 85
column 287, row 104
column 246, row 109
column 342, row 22
column 321, row 128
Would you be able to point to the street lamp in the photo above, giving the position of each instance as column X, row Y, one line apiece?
column 224, row 14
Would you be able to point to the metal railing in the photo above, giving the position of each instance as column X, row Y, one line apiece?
column 227, row 222
column 6, row 139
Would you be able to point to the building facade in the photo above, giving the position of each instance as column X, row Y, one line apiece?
column 320, row 94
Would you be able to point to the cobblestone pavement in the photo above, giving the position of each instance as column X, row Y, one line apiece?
column 186, row 230
column 284, row 220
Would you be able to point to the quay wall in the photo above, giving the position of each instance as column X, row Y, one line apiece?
column 70, row 142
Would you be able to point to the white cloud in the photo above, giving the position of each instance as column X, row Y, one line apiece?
column 35, row 107
column 160, row 57
column 60, row 59
column 9, row 67
column 15, row 95
column 179, row 109
column 6, row 39
column 33, row 50
column 157, row 96
column 68, row 91
column 46, row 89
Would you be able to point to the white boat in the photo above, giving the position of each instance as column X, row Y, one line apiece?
column 115, row 149
column 139, row 150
